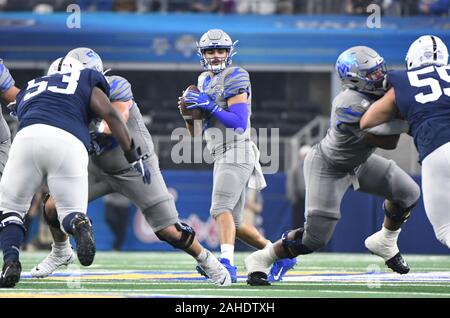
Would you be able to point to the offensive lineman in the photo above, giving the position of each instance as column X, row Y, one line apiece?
column 421, row 94
column 109, row 173
column 8, row 92
column 345, row 158
column 51, row 146
column 225, row 95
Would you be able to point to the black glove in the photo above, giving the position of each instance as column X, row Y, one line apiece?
column 136, row 159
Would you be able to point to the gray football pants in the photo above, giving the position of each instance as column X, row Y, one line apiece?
column 326, row 186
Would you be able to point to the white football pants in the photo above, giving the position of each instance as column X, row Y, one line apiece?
column 436, row 191
column 42, row 153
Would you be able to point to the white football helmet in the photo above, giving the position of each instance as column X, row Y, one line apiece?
column 427, row 50
column 64, row 65
column 88, row 58
column 215, row 39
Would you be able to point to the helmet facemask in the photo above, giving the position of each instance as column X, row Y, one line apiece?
column 215, row 64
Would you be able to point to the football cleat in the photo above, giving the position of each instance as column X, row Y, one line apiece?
column 230, row 268
column 388, row 251
column 257, row 279
column 51, row 263
column 398, row 264
column 82, row 232
column 280, row 267
column 211, row 268
column 10, row 274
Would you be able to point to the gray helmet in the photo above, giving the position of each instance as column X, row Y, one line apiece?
column 363, row 69
column 215, row 39
column 88, row 58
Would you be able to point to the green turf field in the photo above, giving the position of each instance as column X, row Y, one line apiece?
column 168, row 274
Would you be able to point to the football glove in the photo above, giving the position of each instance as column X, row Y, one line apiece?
column 136, row 159
column 200, row 100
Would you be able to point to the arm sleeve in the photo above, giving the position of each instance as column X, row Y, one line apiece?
column 120, row 89
column 236, row 117
column 236, row 82
column 6, row 80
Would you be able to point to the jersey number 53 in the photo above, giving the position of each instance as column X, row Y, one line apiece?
column 71, row 79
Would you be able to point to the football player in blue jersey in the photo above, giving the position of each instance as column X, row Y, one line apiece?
column 109, row 173
column 345, row 158
column 51, row 146
column 225, row 96
column 421, row 95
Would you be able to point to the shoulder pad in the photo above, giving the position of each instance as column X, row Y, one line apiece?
column 120, row 89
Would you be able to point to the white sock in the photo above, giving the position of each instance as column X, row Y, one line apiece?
column 61, row 247
column 271, row 254
column 227, row 251
column 390, row 235
column 202, row 256
column 269, row 244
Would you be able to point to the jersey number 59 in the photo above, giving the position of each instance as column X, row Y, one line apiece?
column 436, row 89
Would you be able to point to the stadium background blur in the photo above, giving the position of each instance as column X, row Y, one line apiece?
column 288, row 46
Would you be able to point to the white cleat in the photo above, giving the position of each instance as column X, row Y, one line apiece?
column 379, row 245
column 51, row 263
column 257, row 262
column 215, row 270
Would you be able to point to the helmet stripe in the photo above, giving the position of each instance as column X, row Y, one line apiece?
column 60, row 64
column 434, row 48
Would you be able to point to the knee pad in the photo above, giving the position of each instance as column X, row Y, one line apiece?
column 319, row 229
column 186, row 239
column 9, row 218
column 401, row 216
column 294, row 247
column 52, row 221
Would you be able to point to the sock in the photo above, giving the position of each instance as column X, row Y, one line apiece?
column 227, row 251
column 11, row 238
column 202, row 256
column 67, row 222
column 61, row 247
column 390, row 235
column 271, row 254
column 269, row 244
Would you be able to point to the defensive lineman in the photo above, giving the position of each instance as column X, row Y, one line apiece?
column 421, row 95
column 108, row 173
column 345, row 158
column 51, row 146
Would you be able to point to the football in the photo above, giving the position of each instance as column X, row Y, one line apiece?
column 189, row 115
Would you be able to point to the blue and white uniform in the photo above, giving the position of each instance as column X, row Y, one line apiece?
column 52, row 141
column 422, row 96
column 233, row 153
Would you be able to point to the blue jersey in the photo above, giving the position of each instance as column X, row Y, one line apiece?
column 422, row 96
column 61, row 100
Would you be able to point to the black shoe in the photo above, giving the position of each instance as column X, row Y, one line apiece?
column 398, row 264
column 10, row 274
column 82, row 232
column 257, row 279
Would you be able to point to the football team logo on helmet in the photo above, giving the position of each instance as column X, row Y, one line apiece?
column 363, row 69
